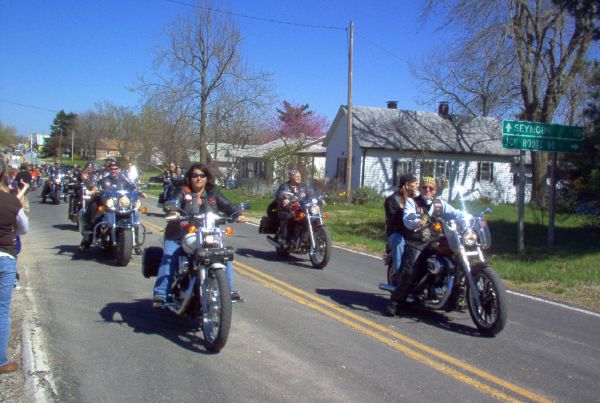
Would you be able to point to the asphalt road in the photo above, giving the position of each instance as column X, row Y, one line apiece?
column 301, row 335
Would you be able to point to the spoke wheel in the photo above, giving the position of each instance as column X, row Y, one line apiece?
column 216, row 314
column 490, row 315
column 320, row 255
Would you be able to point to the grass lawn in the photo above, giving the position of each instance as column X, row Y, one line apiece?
column 570, row 271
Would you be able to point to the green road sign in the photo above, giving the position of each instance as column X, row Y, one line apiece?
column 541, row 144
column 545, row 130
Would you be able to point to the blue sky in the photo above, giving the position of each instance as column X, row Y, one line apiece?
column 71, row 54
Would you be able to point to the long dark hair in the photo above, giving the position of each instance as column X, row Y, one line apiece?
column 210, row 177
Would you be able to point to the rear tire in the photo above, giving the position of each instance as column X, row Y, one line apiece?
column 490, row 316
column 320, row 255
column 216, row 315
column 124, row 246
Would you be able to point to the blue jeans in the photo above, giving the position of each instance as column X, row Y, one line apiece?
column 8, row 272
column 171, row 252
column 396, row 244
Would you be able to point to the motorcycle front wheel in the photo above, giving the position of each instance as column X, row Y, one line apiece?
column 216, row 315
column 490, row 316
column 124, row 246
column 320, row 255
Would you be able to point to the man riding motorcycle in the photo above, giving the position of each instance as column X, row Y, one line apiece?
column 114, row 180
column 52, row 172
column 394, row 215
column 418, row 214
column 293, row 186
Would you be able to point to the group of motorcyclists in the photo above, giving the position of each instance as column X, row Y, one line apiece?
column 410, row 208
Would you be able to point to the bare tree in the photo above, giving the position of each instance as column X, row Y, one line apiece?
column 550, row 45
column 476, row 81
column 201, row 61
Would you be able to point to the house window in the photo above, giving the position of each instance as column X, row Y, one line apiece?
column 485, row 172
column 401, row 168
column 340, row 170
column 436, row 169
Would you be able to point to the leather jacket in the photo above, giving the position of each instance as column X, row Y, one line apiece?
column 212, row 199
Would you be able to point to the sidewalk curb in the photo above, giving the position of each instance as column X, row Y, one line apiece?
column 39, row 382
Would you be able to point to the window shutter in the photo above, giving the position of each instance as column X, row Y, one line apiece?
column 491, row 171
column 395, row 172
column 478, row 172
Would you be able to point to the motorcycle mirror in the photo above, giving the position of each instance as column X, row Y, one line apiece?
column 171, row 206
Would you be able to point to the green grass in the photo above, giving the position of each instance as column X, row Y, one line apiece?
column 570, row 270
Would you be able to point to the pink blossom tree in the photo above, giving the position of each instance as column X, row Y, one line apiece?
column 297, row 122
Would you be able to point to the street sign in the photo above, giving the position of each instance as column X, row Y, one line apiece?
column 541, row 137
column 546, row 130
column 541, row 144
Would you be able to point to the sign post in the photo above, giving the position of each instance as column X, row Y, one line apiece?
column 535, row 136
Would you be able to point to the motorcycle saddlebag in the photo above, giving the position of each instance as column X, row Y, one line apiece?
column 268, row 225
column 151, row 261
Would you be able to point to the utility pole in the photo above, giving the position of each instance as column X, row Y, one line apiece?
column 72, row 142
column 349, row 150
column 60, row 143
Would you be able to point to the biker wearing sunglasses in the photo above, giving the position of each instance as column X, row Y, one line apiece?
column 198, row 194
column 418, row 214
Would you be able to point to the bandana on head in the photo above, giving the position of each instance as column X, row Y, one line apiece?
column 428, row 180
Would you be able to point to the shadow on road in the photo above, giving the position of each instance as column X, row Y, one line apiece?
column 93, row 253
column 142, row 318
column 272, row 256
column 376, row 303
column 70, row 226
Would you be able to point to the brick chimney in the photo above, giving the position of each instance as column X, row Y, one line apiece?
column 392, row 104
column 443, row 110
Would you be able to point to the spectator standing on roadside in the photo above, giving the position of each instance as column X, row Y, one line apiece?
column 13, row 222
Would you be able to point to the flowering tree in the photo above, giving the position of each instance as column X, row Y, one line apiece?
column 297, row 122
column 298, row 128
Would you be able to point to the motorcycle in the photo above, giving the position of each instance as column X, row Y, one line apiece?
column 78, row 201
column 56, row 189
column 200, row 287
column 118, row 228
column 453, row 272
column 306, row 233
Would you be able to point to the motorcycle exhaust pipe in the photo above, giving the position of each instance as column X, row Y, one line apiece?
column 386, row 287
column 273, row 242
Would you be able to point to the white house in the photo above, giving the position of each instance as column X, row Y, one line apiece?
column 456, row 150
column 257, row 162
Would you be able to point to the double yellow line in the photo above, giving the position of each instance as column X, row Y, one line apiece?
column 476, row 377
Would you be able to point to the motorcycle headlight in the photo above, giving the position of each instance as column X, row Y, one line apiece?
column 469, row 238
column 124, row 202
column 189, row 243
column 137, row 205
column 209, row 239
column 109, row 203
column 315, row 209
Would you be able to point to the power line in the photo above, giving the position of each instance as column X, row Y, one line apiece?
column 28, row 106
column 271, row 20
column 379, row 46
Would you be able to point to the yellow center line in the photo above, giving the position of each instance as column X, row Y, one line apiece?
column 372, row 328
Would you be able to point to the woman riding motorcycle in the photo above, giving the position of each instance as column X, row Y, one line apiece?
column 197, row 195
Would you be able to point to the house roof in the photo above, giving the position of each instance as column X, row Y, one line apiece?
column 397, row 129
column 259, row 151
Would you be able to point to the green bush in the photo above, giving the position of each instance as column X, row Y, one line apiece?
column 365, row 195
